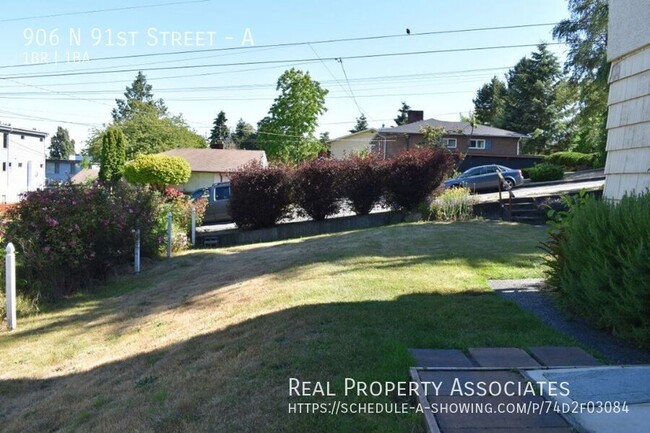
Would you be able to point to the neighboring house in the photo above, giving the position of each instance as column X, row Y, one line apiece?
column 628, row 138
column 351, row 144
column 210, row 166
column 480, row 144
column 23, row 162
column 62, row 170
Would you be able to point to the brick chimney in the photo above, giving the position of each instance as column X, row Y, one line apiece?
column 415, row 115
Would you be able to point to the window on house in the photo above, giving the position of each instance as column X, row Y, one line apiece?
column 477, row 144
column 20, row 164
column 56, row 168
column 4, row 166
column 22, row 137
column 42, row 139
column 449, row 143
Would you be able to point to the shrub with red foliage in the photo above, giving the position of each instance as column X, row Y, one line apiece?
column 362, row 182
column 414, row 174
column 259, row 196
column 316, row 187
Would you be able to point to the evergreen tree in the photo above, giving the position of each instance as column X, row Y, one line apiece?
column 532, row 106
column 113, row 155
column 362, row 124
column 220, row 132
column 61, row 146
column 138, row 97
column 244, row 136
column 403, row 116
column 585, row 32
column 490, row 102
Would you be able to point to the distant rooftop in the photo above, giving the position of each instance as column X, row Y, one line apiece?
column 217, row 160
column 22, row 131
column 452, row 128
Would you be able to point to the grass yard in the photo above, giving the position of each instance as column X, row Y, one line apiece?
column 207, row 341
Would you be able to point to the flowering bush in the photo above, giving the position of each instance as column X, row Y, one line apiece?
column 362, row 182
column 317, row 187
column 414, row 174
column 259, row 196
column 68, row 236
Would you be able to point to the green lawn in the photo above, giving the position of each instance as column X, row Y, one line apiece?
column 207, row 341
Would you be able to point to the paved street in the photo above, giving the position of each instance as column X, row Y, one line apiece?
column 538, row 191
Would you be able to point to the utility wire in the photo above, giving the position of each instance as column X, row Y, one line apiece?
column 293, row 44
column 97, row 11
column 266, row 62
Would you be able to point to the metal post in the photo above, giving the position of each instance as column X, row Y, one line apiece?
column 169, row 234
column 136, row 254
column 193, row 226
column 10, row 263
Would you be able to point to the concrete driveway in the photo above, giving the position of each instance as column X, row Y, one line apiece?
column 545, row 190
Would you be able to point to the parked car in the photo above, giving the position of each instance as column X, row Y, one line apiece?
column 218, row 196
column 485, row 177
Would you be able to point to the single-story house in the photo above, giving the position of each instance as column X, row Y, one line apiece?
column 210, row 166
column 355, row 143
column 481, row 144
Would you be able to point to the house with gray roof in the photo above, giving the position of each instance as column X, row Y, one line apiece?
column 479, row 144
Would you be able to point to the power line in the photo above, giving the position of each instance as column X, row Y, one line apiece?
column 293, row 44
column 266, row 62
column 349, row 86
column 96, row 11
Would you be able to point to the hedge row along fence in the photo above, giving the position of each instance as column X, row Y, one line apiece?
column 260, row 196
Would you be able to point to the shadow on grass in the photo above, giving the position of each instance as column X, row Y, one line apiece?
column 236, row 379
column 176, row 282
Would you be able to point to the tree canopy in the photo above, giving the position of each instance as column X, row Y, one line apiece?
column 113, row 155
column 61, row 146
column 244, row 136
column 138, row 96
column 157, row 170
column 403, row 116
column 220, row 131
column 361, row 125
column 490, row 103
column 287, row 132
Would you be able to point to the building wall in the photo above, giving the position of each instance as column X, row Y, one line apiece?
column 627, row 169
column 346, row 146
column 202, row 180
column 65, row 170
column 495, row 146
column 22, row 160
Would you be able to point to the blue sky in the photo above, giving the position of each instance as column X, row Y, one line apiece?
column 429, row 82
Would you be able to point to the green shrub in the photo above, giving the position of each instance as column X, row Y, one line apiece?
column 544, row 172
column 573, row 160
column 455, row 204
column 157, row 170
column 600, row 267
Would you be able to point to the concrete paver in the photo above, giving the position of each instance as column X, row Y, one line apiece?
column 502, row 357
column 558, row 356
column 440, row 358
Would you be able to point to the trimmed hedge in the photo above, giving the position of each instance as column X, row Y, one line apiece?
column 545, row 172
column 573, row 161
column 362, row 182
column 414, row 174
column 317, row 187
column 157, row 170
column 259, row 195
column 599, row 264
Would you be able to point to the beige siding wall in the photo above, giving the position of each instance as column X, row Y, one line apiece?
column 628, row 140
column 202, row 180
column 346, row 146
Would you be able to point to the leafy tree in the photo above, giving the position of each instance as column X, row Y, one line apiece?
column 138, row 97
column 244, row 136
column 432, row 135
column 220, row 131
column 490, row 102
column 287, row 132
column 403, row 116
column 324, row 137
column 532, row 106
column 157, row 170
column 61, row 146
column 147, row 133
column 585, row 32
column 362, row 124
column 113, row 155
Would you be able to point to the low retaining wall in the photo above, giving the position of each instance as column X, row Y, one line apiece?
column 227, row 238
